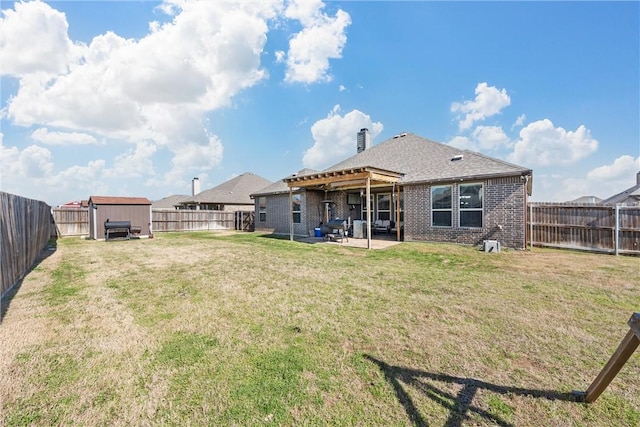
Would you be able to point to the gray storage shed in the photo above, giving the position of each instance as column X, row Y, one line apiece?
column 135, row 210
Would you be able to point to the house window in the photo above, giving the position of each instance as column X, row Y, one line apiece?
column 384, row 206
column 471, row 205
column 364, row 208
column 262, row 209
column 295, row 207
column 441, row 211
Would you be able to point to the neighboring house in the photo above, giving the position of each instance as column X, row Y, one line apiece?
column 136, row 210
column 232, row 195
column 428, row 191
column 72, row 205
column 170, row 202
column 586, row 199
column 629, row 197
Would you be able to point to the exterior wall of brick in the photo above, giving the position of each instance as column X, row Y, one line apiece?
column 504, row 214
column 278, row 213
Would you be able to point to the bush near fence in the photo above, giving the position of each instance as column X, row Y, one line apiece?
column 25, row 229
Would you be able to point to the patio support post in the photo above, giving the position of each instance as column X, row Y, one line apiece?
column 397, row 211
column 368, row 202
column 291, row 213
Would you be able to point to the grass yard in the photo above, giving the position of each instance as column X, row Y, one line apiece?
column 244, row 329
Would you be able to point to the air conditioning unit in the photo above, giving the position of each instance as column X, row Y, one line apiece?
column 491, row 246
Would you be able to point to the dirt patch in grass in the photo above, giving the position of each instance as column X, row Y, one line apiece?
column 237, row 329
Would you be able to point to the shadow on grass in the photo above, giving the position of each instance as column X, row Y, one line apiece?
column 6, row 299
column 460, row 406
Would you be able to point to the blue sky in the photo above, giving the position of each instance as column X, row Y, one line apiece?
column 137, row 98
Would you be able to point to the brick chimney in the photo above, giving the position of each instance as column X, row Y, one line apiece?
column 364, row 140
column 195, row 186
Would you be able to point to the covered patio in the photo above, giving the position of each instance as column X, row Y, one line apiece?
column 360, row 178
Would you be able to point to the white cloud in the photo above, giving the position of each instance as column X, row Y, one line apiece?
column 489, row 101
column 603, row 181
column 35, row 162
column 134, row 163
column 280, row 56
column 62, row 138
column 341, row 88
column 335, row 137
column 463, row 143
column 622, row 168
column 80, row 181
column 519, row 121
column 483, row 138
column 321, row 39
column 199, row 157
column 33, row 39
column 490, row 137
column 154, row 89
column 541, row 143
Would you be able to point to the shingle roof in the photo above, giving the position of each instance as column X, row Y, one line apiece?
column 108, row 200
column 170, row 202
column 280, row 186
column 419, row 160
column 629, row 196
column 423, row 160
column 586, row 199
column 235, row 191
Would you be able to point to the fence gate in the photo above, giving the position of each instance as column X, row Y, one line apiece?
column 244, row 220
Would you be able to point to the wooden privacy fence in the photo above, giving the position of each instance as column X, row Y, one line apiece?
column 187, row 220
column 71, row 221
column 75, row 221
column 597, row 228
column 25, row 229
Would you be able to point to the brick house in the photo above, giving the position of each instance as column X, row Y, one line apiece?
column 423, row 190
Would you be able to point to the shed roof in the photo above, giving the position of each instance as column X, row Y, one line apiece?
column 118, row 200
column 235, row 191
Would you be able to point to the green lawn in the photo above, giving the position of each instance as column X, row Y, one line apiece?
column 246, row 329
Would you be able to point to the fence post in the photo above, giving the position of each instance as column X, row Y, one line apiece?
column 531, row 225
column 617, row 229
column 627, row 346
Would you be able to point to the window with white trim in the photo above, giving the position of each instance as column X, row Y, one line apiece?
column 262, row 209
column 441, row 206
column 364, row 208
column 384, row 206
column 471, row 205
column 295, row 207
